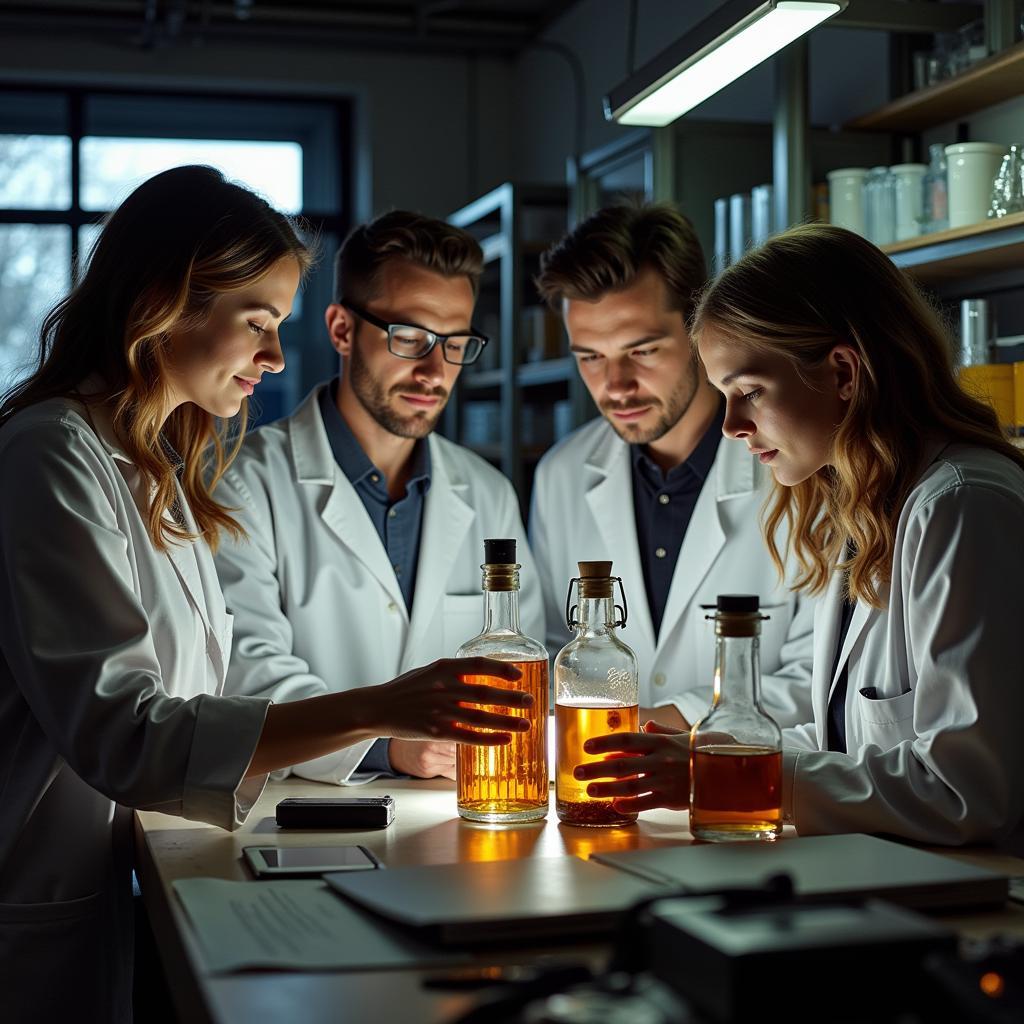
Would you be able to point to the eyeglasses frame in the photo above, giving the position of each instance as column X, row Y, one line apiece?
column 389, row 329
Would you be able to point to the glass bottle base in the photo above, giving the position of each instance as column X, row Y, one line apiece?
column 747, row 831
column 592, row 814
column 506, row 816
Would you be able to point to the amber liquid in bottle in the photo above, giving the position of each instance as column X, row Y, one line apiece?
column 736, row 789
column 511, row 779
column 575, row 723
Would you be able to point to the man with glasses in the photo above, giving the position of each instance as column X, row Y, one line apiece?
column 364, row 528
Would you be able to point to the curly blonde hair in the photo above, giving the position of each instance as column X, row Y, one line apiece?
column 803, row 292
column 177, row 242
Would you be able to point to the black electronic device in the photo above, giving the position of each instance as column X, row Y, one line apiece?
column 307, row 861
column 337, row 813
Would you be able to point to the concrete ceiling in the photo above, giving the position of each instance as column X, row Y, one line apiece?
column 461, row 26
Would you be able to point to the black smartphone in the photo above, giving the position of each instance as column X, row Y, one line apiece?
column 336, row 812
column 307, row 861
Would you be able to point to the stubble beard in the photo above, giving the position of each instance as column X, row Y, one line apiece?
column 375, row 401
column 673, row 410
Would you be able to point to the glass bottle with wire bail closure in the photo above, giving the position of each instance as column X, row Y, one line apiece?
column 506, row 784
column 736, row 748
column 596, row 691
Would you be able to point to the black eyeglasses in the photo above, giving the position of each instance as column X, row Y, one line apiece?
column 410, row 341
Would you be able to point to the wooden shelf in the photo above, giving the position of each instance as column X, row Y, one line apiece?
column 997, row 78
column 988, row 247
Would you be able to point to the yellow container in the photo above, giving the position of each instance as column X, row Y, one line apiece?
column 1018, row 392
column 994, row 383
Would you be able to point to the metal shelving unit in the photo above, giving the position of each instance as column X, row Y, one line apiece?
column 506, row 222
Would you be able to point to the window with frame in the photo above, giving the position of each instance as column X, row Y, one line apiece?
column 67, row 158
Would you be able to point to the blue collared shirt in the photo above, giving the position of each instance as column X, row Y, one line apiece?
column 664, row 504
column 397, row 523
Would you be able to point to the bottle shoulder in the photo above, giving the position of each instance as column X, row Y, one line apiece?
column 503, row 645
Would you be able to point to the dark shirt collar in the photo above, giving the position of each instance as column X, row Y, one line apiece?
column 351, row 458
column 699, row 463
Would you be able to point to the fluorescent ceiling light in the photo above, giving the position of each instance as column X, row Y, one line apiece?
column 718, row 51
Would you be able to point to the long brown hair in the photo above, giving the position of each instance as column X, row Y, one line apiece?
column 799, row 295
column 179, row 240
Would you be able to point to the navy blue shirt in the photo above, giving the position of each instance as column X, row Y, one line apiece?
column 397, row 523
column 663, row 504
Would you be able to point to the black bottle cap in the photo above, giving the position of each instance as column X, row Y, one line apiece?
column 500, row 552
column 739, row 603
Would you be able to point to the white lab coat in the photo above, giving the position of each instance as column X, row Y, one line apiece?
column 111, row 655
column 317, row 606
column 935, row 753
column 583, row 509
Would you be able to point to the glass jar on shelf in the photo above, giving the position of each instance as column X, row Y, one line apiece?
column 506, row 784
column 736, row 748
column 596, row 691
column 880, row 206
column 935, row 203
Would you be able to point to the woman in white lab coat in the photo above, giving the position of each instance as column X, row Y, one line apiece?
column 113, row 632
column 906, row 507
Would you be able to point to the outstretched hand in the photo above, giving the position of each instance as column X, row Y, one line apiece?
column 648, row 769
column 434, row 703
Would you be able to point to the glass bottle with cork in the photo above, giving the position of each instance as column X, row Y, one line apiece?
column 505, row 784
column 596, row 691
column 736, row 748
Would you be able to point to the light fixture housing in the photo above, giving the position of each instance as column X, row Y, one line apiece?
column 737, row 37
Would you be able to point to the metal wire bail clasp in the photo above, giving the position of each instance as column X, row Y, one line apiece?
column 572, row 622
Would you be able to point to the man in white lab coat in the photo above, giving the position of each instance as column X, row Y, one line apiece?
column 366, row 529
column 652, row 485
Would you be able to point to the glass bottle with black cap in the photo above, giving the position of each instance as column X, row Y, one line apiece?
column 506, row 784
column 736, row 748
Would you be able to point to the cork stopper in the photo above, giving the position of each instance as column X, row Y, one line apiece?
column 595, row 579
column 738, row 615
column 500, row 568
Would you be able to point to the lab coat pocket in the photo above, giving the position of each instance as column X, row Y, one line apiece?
column 463, row 619
column 53, row 957
column 885, row 721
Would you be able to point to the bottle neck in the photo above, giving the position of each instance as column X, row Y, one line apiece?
column 501, row 611
column 737, row 670
column 595, row 616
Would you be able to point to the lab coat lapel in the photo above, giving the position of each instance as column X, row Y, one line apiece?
column 827, row 616
column 732, row 474
column 342, row 512
column 610, row 499
column 447, row 518
column 194, row 567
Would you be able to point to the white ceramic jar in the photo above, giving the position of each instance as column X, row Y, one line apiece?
column 972, row 167
column 846, row 197
column 909, row 197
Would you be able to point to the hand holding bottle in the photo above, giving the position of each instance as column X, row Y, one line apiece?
column 649, row 768
column 434, row 703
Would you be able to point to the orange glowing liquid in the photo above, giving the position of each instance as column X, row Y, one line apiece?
column 574, row 725
column 736, row 792
column 508, row 783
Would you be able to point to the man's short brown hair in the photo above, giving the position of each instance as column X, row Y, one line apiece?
column 402, row 235
column 607, row 251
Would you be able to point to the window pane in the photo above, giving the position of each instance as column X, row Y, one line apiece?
column 112, row 167
column 35, row 263
column 87, row 235
column 35, row 172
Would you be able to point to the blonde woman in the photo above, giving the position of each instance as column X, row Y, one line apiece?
column 905, row 504
column 113, row 632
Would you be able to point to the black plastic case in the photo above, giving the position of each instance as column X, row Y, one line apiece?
column 336, row 812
